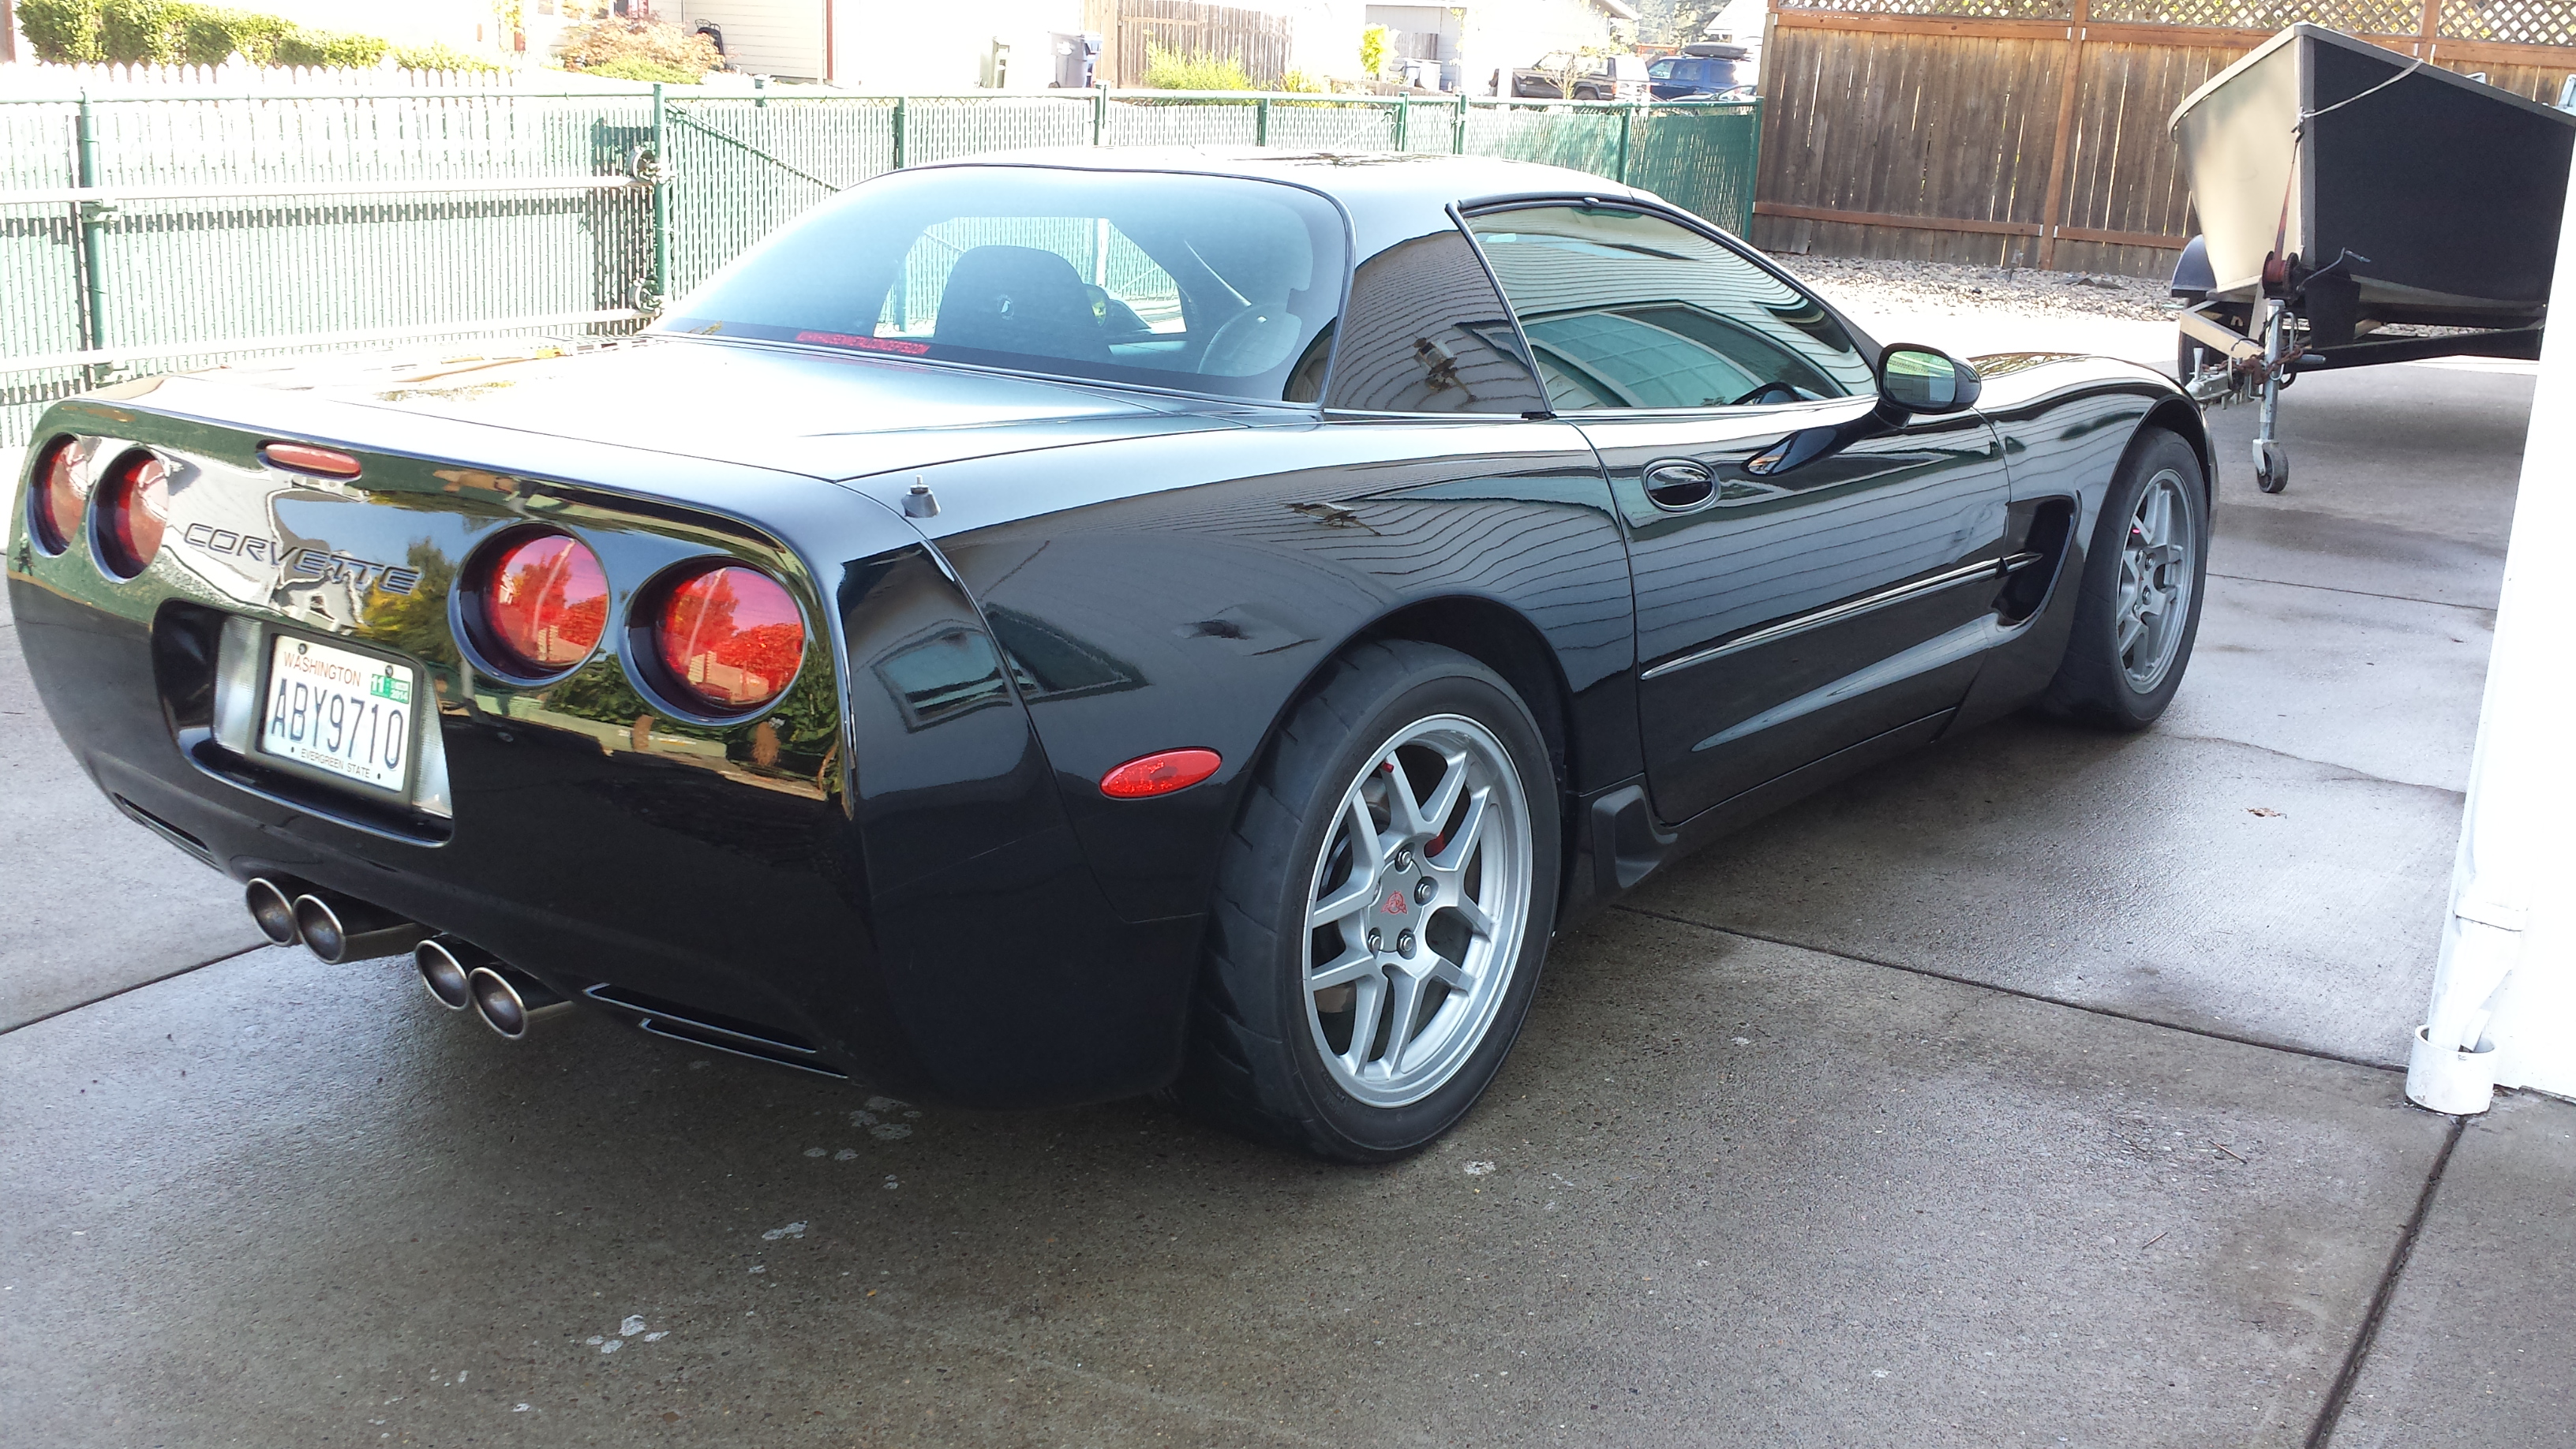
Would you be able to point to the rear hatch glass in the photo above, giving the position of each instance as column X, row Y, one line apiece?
column 1202, row 283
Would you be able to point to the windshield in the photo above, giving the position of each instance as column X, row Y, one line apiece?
column 1204, row 283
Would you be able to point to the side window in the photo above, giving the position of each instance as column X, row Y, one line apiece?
column 1425, row 333
column 1627, row 310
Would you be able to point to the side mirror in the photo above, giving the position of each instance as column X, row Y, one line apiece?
column 1911, row 380
column 1915, row 379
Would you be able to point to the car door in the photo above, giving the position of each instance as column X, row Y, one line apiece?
column 1810, row 571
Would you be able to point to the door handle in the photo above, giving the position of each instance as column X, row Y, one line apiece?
column 1678, row 483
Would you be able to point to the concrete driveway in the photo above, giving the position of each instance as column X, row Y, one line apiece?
column 2039, row 1090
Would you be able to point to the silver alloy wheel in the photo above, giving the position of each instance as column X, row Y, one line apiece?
column 1416, row 910
column 2155, row 582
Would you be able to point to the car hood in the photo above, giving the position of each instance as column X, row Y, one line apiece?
column 820, row 415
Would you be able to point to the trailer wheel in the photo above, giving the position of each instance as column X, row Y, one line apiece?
column 2271, row 466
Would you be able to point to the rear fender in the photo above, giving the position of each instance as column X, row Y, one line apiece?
column 1195, row 607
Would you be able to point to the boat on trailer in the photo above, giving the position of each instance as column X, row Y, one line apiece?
column 2343, row 189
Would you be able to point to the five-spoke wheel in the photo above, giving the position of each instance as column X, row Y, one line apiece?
column 2156, row 580
column 2138, row 602
column 1420, row 895
column 1383, row 906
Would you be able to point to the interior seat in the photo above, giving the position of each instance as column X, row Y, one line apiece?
column 1019, row 299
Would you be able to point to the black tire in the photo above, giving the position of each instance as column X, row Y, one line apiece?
column 1253, row 1064
column 2095, row 682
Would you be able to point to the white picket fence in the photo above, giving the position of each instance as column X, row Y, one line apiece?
column 35, row 81
column 29, row 81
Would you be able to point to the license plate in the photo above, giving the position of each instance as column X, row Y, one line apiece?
column 338, row 710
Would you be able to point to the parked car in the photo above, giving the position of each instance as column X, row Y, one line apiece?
column 1020, row 636
column 1707, row 71
column 1593, row 77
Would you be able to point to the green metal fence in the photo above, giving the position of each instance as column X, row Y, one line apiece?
column 143, row 234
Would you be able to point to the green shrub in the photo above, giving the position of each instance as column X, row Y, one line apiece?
column 331, row 48
column 439, row 56
column 1173, row 70
column 1299, row 82
column 637, row 68
column 62, row 32
column 1373, row 43
column 681, row 56
column 206, row 36
column 163, row 32
column 139, row 32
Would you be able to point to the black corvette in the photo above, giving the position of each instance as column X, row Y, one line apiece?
column 1066, row 626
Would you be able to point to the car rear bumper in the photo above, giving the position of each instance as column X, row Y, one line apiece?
column 891, row 898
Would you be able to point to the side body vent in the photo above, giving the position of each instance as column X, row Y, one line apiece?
column 2045, row 526
column 165, row 830
column 657, row 1017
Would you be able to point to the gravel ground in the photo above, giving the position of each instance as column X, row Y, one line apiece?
column 1877, row 285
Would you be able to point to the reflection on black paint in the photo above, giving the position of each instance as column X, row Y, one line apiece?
column 1423, row 318
column 2005, row 364
column 1047, row 663
column 949, row 673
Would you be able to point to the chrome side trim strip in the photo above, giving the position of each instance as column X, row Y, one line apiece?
column 1834, row 613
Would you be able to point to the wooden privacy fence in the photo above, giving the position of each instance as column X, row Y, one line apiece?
column 1265, row 43
column 2033, row 132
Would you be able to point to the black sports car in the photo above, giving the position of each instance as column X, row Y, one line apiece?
column 1050, row 628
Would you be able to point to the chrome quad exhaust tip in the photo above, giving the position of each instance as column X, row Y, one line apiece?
column 272, row 909
column 511, row 1001
column 446, row 965
column 338, row 928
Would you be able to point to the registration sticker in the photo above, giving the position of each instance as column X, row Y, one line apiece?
column 338, row 710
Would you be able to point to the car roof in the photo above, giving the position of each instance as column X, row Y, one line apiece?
column 1390, row 195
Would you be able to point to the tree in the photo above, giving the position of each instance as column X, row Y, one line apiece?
column 1675, row 22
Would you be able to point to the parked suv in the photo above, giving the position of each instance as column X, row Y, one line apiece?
column 1703, row 72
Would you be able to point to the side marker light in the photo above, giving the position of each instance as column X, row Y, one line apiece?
column 1159, row 773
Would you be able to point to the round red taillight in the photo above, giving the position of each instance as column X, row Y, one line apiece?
column 133, row 509
column 545, row 601
column 54, row 500
column 731, row 638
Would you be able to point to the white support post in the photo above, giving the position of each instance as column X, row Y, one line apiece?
column 2504, row 994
